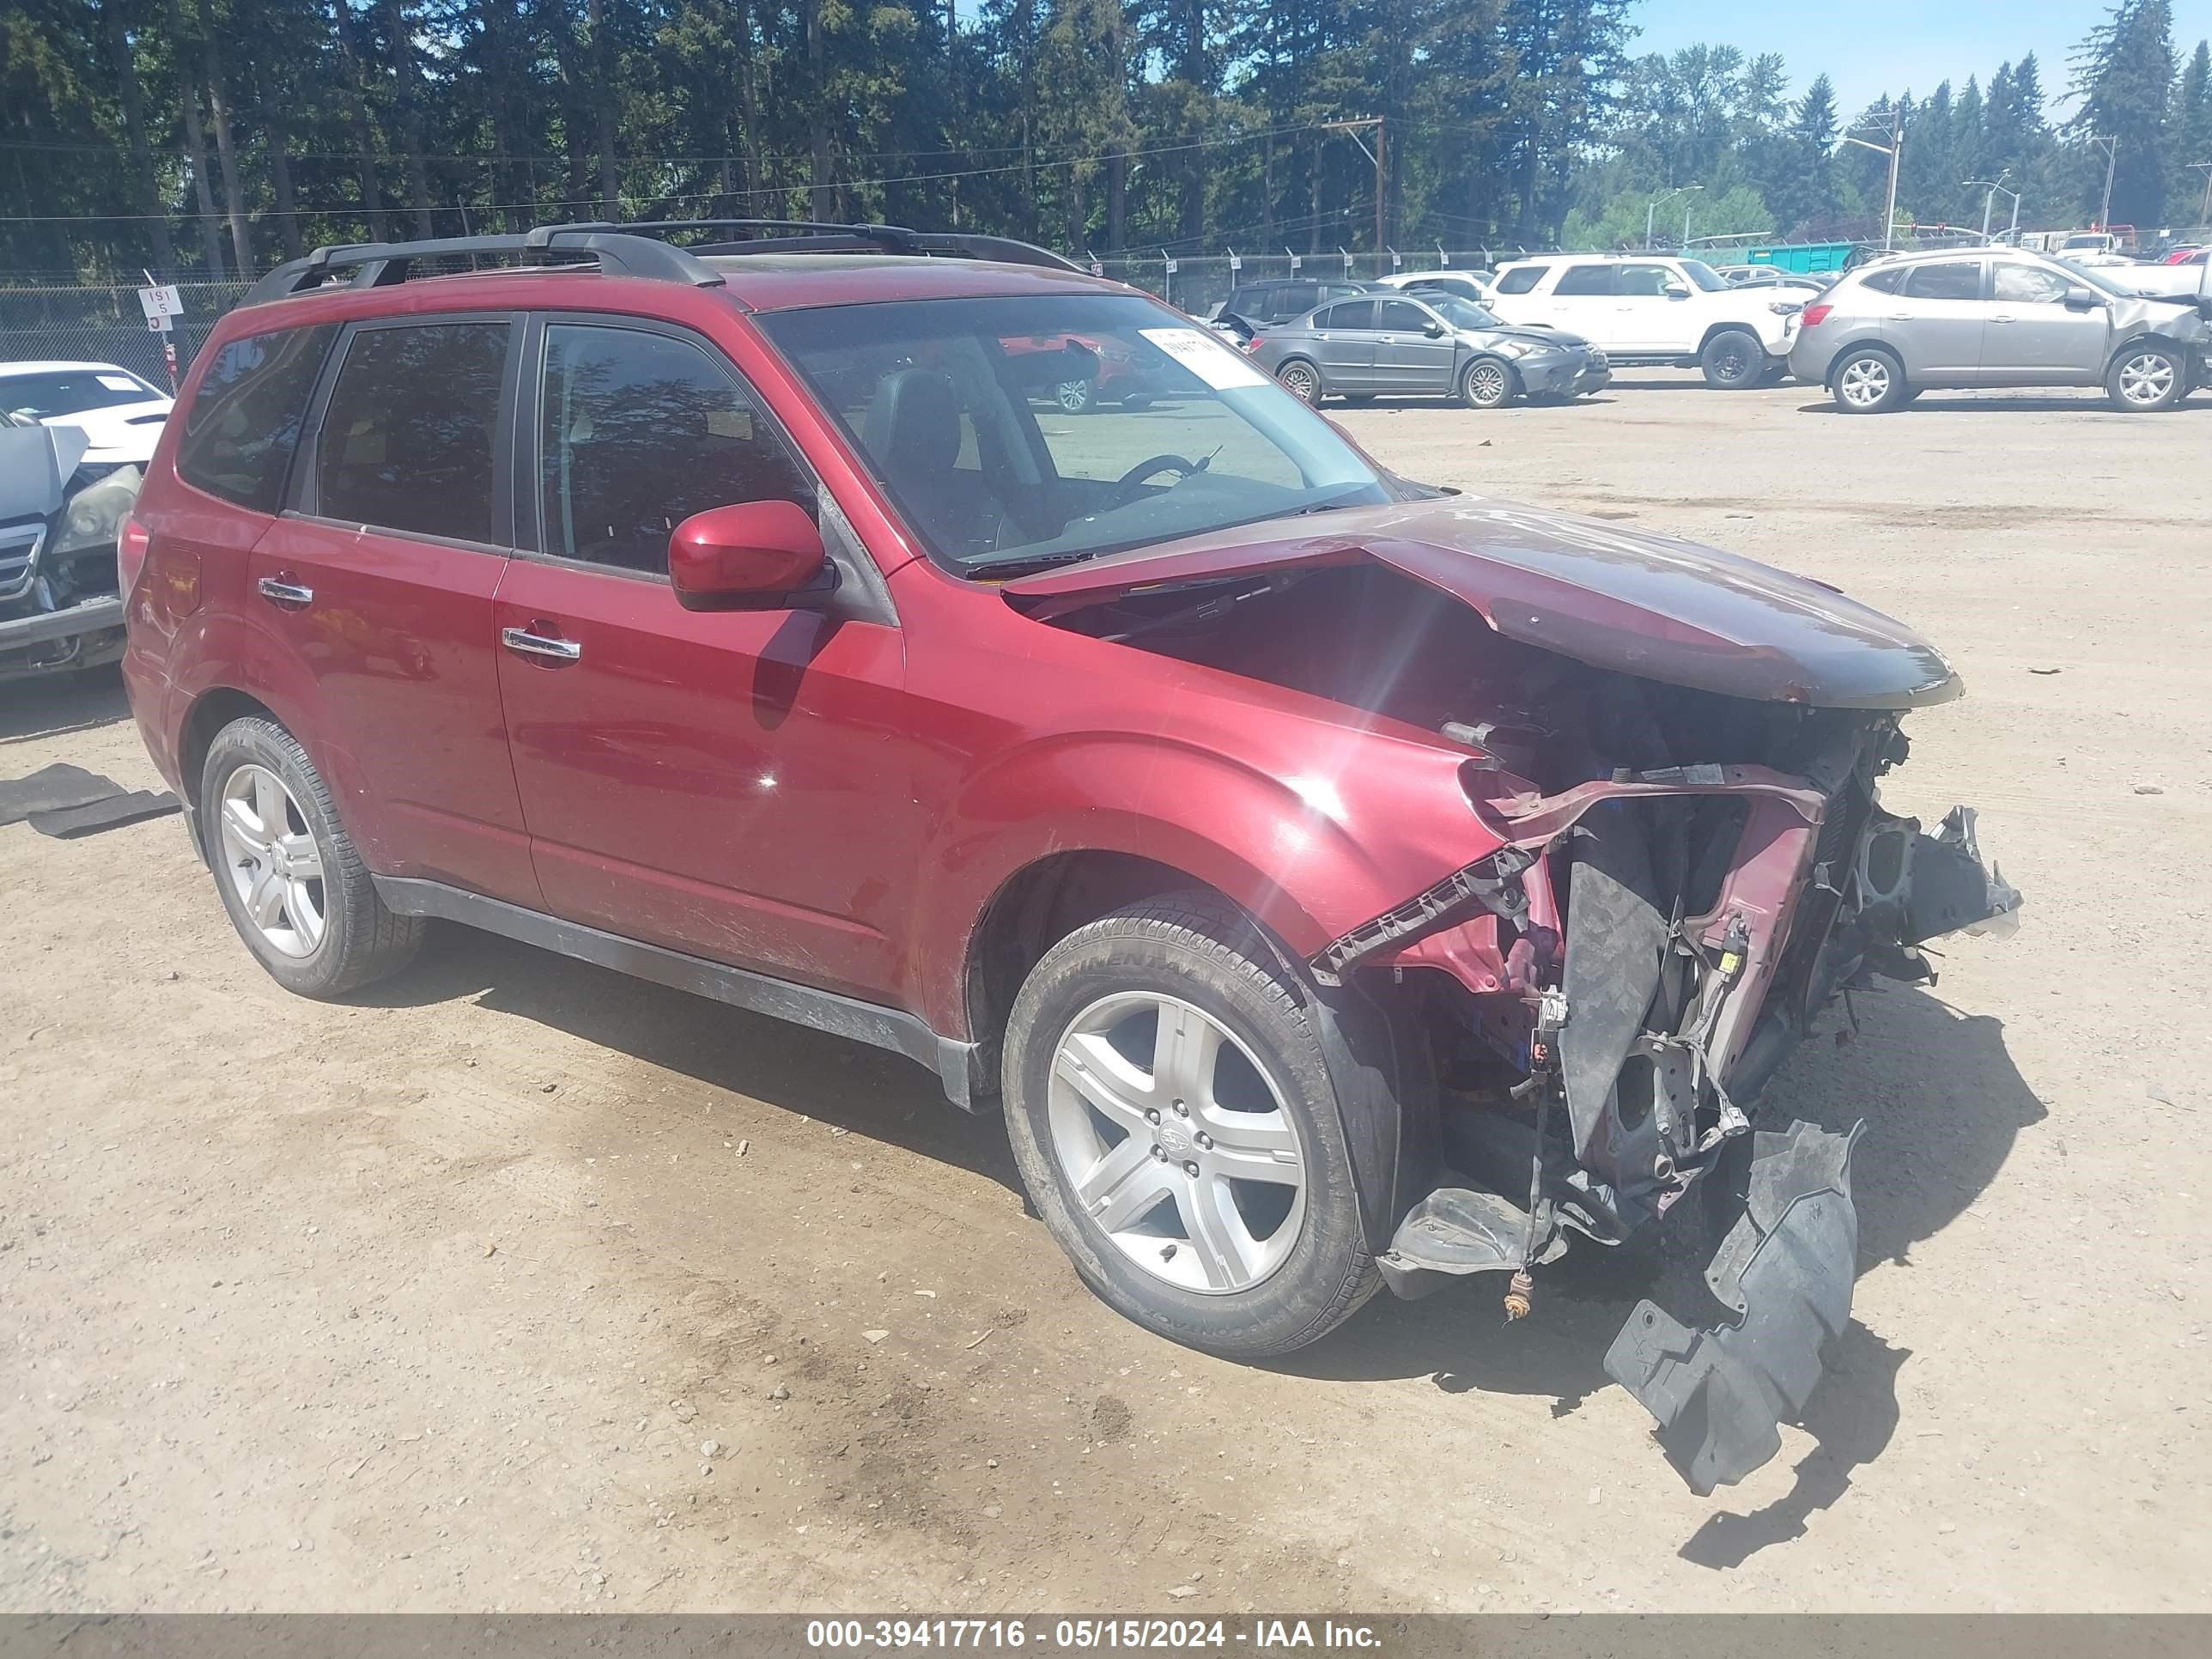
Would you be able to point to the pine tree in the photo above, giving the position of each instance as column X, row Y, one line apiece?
column 2124, row 72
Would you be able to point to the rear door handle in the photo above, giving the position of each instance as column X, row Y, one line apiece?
column 523, row 642
column 279, row 592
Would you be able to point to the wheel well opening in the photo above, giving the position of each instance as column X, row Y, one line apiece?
column 1719, row 329
column 1829, row 376
column 1040, row 906
column 215, row 710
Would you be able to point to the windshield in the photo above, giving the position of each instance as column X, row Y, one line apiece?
column 1461, row 314
column 2097, row 279
column 2098, row 243
column 1020, row 433
column 47, row 392
column 1702, row 275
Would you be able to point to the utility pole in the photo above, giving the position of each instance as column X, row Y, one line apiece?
column 1351, row 130
column 1651, row 211
column 2204, row 213
column 1894, row 150
column 2111, row 164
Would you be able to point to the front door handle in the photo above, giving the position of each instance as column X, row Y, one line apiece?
column 279, row 592
column 2002, row 317
column 523, row 642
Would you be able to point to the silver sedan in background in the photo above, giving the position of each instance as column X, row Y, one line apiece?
column 1961, row 318
column 1427, row 344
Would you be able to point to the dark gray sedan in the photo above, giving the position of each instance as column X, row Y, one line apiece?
column 1429, row 344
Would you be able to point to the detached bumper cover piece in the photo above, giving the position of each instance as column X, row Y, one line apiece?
column 1787, row 1267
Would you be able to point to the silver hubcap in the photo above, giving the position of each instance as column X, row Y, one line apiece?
column 2145, row 380
column 1074, row 395
column 1300, row 382
column 1486, row 382
column 272, row 861
column 1174, row 1140
column 1864, row 381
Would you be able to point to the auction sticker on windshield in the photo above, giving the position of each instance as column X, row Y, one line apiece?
column 1207, row 358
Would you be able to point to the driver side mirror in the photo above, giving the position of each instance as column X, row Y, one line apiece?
column 1676, row 291
column 2082, row 299
column 749, row 556
column 1433, row 329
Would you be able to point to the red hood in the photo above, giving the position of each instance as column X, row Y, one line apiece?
column 1614, row 599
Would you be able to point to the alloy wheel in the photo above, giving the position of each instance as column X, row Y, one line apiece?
column 1864, row 382
column 2147, row 377
column 272, row 861
column 1175, row 1141
column 1299, row 381
column 1485, row 385
column 1074, row 396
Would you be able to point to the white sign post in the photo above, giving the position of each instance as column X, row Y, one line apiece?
column 162, row 306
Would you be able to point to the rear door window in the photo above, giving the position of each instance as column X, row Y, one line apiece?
column 1351, row 315
column 409, row 441
column 1952, row 279
column 245, row 421
column 1585, row 280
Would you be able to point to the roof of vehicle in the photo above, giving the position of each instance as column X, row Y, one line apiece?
column 1553, row 259
column 57, row 365
column 784, row 282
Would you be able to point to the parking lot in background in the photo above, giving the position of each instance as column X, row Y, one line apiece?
column 517, row 1284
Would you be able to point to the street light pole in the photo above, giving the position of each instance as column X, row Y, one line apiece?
column 1894, row 150
column 2204, row 213
column 1650, row 212
column 1988, row 201
column 2111, row 164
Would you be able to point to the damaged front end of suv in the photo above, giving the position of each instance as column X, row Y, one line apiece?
column 1672, row 769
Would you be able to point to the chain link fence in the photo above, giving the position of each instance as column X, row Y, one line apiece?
column 1197, row 285
column 105, row 325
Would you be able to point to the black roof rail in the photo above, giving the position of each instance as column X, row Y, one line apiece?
column 638, row 249
column 822, row 236
column 377, row 265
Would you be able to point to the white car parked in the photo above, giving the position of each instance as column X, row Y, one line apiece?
column 1467, row 285
column 1654, row 308
column 120, row 413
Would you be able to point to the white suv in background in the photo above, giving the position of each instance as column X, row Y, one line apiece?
column 1653, row 308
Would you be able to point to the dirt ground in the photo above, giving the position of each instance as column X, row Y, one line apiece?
column 518, row 1285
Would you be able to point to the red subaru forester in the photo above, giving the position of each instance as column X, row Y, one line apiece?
column 1333, row 880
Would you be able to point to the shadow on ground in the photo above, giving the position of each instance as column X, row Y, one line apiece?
column 65, row 703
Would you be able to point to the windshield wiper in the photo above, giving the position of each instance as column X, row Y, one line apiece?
column 1333, row 504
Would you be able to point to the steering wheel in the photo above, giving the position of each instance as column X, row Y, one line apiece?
column 1124, row 488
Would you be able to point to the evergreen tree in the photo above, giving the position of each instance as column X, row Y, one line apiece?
column 2124, row 72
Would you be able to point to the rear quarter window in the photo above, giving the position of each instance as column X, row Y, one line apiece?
column 1520, row 280
column 245, row 420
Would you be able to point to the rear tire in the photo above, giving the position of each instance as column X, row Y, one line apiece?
column 1868, row 380
column 1108, row 1127
column 1301, row 379
column 288, row 874
column 1733, row 359
column 2146, row 377
column 1486, row 383
column 1075, row 397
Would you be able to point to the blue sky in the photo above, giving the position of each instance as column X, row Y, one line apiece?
column 1870, row 46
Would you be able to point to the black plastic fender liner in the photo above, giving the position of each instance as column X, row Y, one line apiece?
column 1386, row 1096
column 1788, row 1267
column 1616, row 938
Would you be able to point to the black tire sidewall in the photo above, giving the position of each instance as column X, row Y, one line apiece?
column 264, row 742
column 1313, row 1288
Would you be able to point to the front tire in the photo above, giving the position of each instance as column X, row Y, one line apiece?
column 1868, row 381
column 2147, row 377
column 1486, row 383
column 290, row 875
column 1171, row 1112
column 1733, row 360
column 1075, row 397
